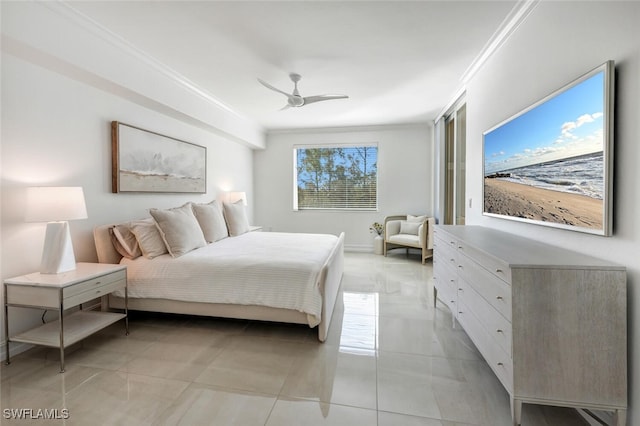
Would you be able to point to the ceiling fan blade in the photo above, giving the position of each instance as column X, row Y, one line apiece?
column 275, row 89
column 318, row 98
column 287, row 106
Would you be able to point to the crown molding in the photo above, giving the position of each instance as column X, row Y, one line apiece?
column 89, row 24
column 508, row 26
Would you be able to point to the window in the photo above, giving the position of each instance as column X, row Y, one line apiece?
column 336, row 177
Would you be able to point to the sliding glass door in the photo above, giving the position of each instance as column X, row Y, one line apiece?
column 455, row 167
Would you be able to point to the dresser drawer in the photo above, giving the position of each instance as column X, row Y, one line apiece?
column 446, row 255
column 448, row 296
column 497, row 267
column 493, row 322
column 494, row 290
column 498, row 360
column 446, row 273
column 443, row 241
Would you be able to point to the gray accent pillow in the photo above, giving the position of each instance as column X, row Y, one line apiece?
column 179, row 229
column 410, row 228
column 236, row 216
column 149, row 238
column 211, row 221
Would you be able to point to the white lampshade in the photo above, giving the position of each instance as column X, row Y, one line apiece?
column 56, row 205
column 235, row 196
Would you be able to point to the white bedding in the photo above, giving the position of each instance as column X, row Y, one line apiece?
column 279, row 270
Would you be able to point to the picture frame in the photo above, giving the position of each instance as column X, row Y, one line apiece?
column 552, row 163
column 146, row 161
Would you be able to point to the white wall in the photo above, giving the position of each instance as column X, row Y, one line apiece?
column 405, row 181
column 557, row 43
column 56, row 132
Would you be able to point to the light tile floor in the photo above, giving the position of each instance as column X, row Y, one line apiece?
column 390, row 359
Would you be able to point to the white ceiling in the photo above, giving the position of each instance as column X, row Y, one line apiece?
column 399, row 62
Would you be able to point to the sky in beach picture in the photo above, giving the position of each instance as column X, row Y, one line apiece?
column 568, row 124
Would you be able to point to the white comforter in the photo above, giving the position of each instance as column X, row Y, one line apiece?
column 279, row 270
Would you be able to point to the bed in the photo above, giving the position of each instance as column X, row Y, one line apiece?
column 268, row 276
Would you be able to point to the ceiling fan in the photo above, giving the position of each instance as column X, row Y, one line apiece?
column 294, row 99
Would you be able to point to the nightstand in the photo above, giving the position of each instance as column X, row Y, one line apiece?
column 60, row 292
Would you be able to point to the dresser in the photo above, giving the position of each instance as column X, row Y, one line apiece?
column 62, row 292
column 551, row 323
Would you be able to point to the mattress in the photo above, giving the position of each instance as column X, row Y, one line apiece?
column 279, row 270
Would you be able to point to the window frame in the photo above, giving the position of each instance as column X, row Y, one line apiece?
column 297, row 147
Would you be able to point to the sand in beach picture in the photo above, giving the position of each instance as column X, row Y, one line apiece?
column 548, row 164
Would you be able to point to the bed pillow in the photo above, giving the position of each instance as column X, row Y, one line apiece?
column 149, row 238
column 410, row 228
column 211, row 221
column 179, row 229
column 236, row 216
column 124, row 241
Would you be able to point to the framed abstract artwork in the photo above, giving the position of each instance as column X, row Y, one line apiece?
column 146, row 161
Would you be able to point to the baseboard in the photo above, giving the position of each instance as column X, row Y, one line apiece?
column 358, row 248
column 14, row 349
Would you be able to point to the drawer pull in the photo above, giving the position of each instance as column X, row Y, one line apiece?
column 499, row 271
column 499, row 297
column 98, row 291
column 501, row 364
column 452, row 242
column 98, row 282
column 460, row 266
column 499, row 331
column 453, row 260
column 460, row 247
column 460, row 289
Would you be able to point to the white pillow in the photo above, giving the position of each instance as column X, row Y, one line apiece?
column 411, row 218
column 124, row 241
column 211, row 221
column 149, row 238
column 179, row 229
column 236, row 217
column 410, row 228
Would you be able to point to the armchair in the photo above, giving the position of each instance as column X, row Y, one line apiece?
column 405, row 231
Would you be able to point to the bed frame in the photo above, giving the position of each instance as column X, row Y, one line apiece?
column 328, row 281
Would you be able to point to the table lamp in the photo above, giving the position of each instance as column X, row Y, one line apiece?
column 56, row 205
column 235, row 196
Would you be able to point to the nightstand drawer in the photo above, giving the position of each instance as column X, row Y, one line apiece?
column 34, row 296
column 93, row 284
column 97, row 290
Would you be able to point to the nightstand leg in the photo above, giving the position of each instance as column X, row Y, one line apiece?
column 60, row 318
column 126, row 311
column 6, row 326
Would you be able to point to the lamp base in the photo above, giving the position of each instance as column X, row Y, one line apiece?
column 57, row 254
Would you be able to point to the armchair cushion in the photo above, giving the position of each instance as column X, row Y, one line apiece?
column 411, row 218
column 410, row 228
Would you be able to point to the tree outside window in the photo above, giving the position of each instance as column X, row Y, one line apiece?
column 336, row 177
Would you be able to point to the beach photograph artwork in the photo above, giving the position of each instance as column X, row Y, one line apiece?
column 547, row 164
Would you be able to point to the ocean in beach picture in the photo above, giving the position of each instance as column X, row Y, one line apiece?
column 550, row 163
column 583, row 175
